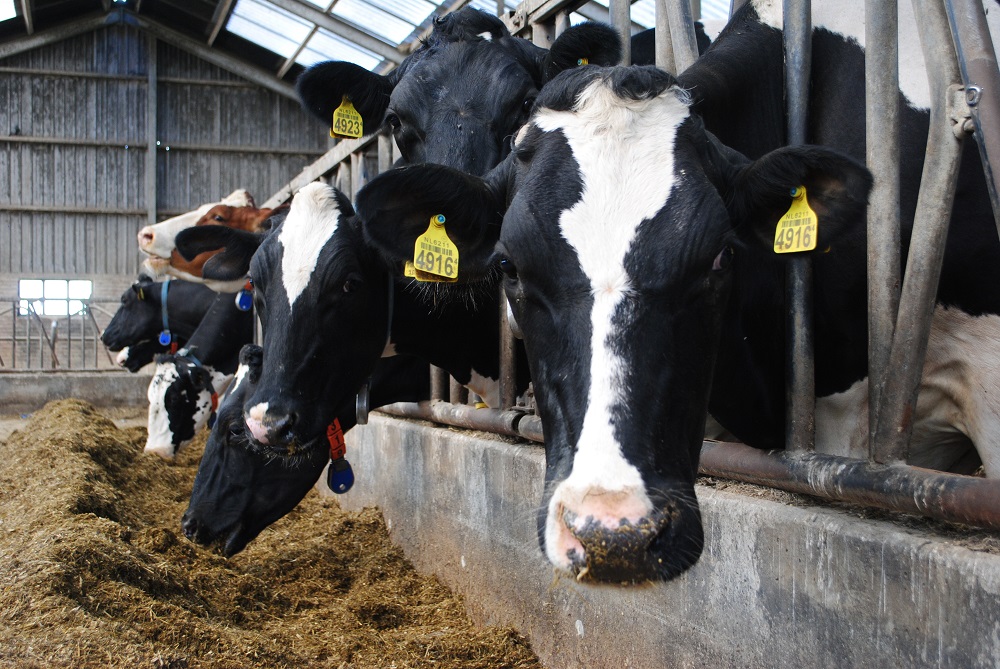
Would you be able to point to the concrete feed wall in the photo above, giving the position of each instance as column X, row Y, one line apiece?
column 777, row 586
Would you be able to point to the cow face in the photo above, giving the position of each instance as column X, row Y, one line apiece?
column 623, row 224
column 324, row 314
column 139, row 318
column 182, row 396
column 459, row 99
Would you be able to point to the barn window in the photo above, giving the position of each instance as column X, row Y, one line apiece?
column 7, row 10
column 52, row 297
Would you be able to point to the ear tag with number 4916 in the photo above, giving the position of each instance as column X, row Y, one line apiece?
column 435, row 256
column 347, row 123
column 797, row 229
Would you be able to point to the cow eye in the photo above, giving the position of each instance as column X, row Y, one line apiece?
column 527, row 105
column 348, row 286
column 393, row 120
column 507, row 267
column 220, row 218
column 724, row 259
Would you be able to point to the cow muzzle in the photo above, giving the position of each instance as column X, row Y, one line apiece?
column 274, row 431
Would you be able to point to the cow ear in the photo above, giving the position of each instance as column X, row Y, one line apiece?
column 836, row 189
column 322, row 87
column 396, row 207
column 586, row 43
column 229, row 264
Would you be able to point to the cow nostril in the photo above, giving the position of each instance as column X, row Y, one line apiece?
column 145, row 236
column 619, row 553
column 189, row 526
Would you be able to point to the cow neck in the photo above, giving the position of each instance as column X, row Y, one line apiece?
column 166, row 337
column 186, row 354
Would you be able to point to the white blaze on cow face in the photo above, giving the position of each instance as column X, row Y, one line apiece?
column 159, row 241
column 625, row 153
column 310, row 224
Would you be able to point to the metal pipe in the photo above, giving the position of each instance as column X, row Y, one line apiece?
column 620, row 19
column 882, row 157
column 800, row 382
column 930, row 229
column 978, row 63
column 948, row 497
column 439, row 384
column 664, row 45
column 458, row 415
column 682, row 34
column 508, row 352
column 457, row 393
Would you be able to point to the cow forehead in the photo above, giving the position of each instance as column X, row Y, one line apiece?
column 311, row 222
column 624, row 152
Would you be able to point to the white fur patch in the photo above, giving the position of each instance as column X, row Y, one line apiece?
column 488, row 389
column 159, row 438
column 488, row 36
column 625, row 153
column 311, row 222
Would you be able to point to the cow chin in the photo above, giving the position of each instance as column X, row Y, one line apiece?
column 622, row 536
column 293, row 451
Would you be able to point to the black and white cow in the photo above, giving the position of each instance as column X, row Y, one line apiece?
column 460, row 97
column 628, row 223
column 239, row 491
column 185, row 389
column 135, row 330
column 330, row 308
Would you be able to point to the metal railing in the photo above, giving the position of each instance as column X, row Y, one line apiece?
column 30, row 340
column 964, row 81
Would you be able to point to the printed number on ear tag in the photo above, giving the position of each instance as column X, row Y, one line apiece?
column 797, row 229
column 347, row 123
column 165, row 338
column 340, row 476
column 435, row 256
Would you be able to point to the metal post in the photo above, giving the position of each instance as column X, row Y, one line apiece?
column 682, row 34
column 800, row 382
column 930, row 228
column 735, row 6
column 439, row 384
column 621, row 19
column 508, row 369
column 664, row 44
column 978, row 63
column 882, row 146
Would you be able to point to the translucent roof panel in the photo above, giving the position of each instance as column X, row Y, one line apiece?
column 271, row 27
column 325, row 45
column 374, row 20
column 7, row 10
column 414, row 12
column 490, row 6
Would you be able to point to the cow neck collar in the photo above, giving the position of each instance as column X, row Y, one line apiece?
column 166, row 337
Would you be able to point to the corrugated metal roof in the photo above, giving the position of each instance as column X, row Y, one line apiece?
column 284, row 36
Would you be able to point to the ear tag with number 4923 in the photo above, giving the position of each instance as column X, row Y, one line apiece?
column 797, row 229
column 435, row 256
column 347, row 123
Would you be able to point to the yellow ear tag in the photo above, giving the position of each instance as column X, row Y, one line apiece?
column 409, row 270
column 797, row 229
column 347, row 122
column 435, row 256
column 582, row 61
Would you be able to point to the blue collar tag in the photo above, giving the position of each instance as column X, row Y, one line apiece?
column 244, row 298
column 165, row 338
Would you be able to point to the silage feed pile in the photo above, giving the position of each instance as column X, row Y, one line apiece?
column 94, row 572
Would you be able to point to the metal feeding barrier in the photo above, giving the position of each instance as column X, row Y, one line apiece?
column 965, row 89
column 31, row 340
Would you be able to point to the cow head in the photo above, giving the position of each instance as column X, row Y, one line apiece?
column 459, row 99
column 240, row 490
column 182, row 395
column 140, row 316
column 624, row 225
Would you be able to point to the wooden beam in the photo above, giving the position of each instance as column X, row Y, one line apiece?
column 151, row 104
column 219, row 19
column 238, row 67
column 321, row 167
column 341, row 28
column 55, row 34
column 29, row 22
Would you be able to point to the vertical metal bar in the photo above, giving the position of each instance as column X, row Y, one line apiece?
column 882, row 156
column 151, row 104
column 800, row 382
column 508, row 369
column 663, row 43
column 735, row 6
column 696, row 9
column 439, row 384
column 930, row 228
column 457, row 393
column 621, row 20
column 384, row 151
column 682, row 34
column 978, row 63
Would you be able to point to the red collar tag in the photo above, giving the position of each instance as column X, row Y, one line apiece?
column 173, row 347
column 215, row 401
column 335, row 435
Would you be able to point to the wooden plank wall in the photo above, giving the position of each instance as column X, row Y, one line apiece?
column 73, row 142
